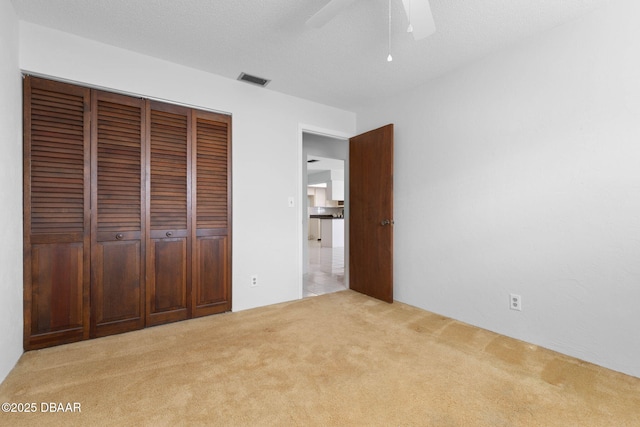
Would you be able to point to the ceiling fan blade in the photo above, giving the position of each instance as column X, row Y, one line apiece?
column 328, row 12
column 419, row 15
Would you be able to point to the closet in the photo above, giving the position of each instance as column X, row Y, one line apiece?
column 127, row 213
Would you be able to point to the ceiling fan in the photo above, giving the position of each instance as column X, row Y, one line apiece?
column 418, row 12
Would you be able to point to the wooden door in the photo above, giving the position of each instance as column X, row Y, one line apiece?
column 211, row 281
column 371, row 213
column 117, row 223
column 169, row 190
column 56, row 213
column 127, row 213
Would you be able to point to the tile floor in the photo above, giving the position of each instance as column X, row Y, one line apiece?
column 326, row 270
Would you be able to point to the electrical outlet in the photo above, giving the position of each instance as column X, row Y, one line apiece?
column 515, row 302
column 254, row 280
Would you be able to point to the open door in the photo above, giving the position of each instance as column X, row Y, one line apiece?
column 371, row 213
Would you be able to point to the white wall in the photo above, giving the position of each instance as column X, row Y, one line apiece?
column 11, row 182
column 266, row 146
column 521, row 173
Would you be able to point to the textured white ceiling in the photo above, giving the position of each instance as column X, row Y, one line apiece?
column 342, row 64
column 323, row 164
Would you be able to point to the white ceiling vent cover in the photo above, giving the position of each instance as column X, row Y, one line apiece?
column 244, row 77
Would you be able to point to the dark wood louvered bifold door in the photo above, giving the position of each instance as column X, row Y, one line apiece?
column 117, row 273
column 56, row 224
column 168, row 247
column 127, row 213
column 212, row 196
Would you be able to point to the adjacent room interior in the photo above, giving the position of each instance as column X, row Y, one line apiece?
column 516, row 232
column 325, row 176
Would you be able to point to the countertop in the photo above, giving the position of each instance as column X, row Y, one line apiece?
column 325, row 217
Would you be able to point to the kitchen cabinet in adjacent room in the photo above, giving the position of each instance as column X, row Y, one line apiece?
column 335, row 190
column 332, row 232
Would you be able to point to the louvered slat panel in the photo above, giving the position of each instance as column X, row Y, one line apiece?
column 57, row 162
column 212, row 186
column 211, row 289
column 119, row 163
column 117, row 291
column 56, row 220
column 168, row 202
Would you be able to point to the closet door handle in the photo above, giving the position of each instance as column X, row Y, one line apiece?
column 119, row 236
column 169, row 234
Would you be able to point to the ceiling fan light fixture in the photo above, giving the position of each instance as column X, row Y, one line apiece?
column 389, row 58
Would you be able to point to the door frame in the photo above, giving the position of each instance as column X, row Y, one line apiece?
column 301, row 198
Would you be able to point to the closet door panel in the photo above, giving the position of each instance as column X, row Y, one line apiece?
column 169, row 189
column 117, row 285
column 212, row 201
column 168, row 298
column 57, row 282
column 56, row 213
column 212, row 293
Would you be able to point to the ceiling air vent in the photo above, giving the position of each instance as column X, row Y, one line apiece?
column 244, row 77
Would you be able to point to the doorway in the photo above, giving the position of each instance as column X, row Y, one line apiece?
column 368, row 201
column 325, row 213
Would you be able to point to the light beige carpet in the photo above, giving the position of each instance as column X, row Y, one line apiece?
column 340, row 359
